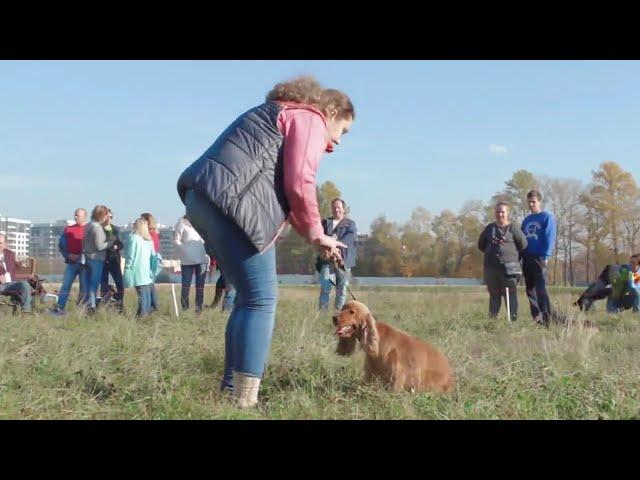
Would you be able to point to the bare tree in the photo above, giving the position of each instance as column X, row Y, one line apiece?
column 631, row 223
column 563, row 200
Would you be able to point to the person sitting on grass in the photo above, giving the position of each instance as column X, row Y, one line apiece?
column 625, row 287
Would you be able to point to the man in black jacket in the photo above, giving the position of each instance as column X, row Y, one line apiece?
column 112, row 264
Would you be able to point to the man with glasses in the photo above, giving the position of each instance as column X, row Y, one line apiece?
column 70, row 246
column 112, row 263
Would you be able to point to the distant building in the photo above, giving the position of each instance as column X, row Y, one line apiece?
column 125, row 232
column 17, row 232
column 167, row 249
column 43, row 242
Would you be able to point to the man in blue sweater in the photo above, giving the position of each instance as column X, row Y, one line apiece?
column 540, row 229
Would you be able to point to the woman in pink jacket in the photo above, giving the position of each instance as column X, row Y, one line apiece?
column 259, row 173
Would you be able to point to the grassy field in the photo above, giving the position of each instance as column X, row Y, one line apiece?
column 116, row 367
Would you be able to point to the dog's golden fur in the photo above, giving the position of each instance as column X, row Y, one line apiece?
column 398, row 360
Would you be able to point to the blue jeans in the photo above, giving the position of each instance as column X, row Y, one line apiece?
column 253, row 274
column 187, row 273
column 341, row 279
column 535, row 279
column 70, row 272
column 92, row 276
column 144, row 300
column 112, row 268
column 154, row 296
column 20, row 290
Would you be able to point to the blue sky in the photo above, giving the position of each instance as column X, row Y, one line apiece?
column 427, row 133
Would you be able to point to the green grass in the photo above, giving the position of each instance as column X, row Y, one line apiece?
column 116, row 367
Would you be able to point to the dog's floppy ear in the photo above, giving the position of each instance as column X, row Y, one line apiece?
column 346, row 345
column 370, row 338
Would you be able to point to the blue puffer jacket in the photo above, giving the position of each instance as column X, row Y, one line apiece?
column 242, row 174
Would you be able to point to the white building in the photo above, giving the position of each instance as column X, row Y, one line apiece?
column 167, row 249
column 17, row 232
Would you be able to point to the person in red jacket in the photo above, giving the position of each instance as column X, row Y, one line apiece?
column 153, row 231
column 70, row 246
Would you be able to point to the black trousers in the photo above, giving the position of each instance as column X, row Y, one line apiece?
column 535, row 279
column 497, row 282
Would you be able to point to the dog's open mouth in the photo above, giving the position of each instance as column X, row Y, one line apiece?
column 345, row 331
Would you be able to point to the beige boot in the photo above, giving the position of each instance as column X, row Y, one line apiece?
column 245, row 390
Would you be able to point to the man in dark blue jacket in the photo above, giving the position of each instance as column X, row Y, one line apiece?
column 344, row 230
column 540, row 229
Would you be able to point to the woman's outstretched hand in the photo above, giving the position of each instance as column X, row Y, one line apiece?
column 329, row 247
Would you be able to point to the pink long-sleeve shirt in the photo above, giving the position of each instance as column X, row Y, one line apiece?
column 305, row 140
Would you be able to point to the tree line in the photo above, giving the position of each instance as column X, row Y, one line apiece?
column 597, row 223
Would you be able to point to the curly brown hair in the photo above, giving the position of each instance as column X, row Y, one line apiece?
column 307, row 90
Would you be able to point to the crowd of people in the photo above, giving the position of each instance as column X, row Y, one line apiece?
column 93, row 250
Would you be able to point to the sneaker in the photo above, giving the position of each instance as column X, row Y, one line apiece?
column 56, row 312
